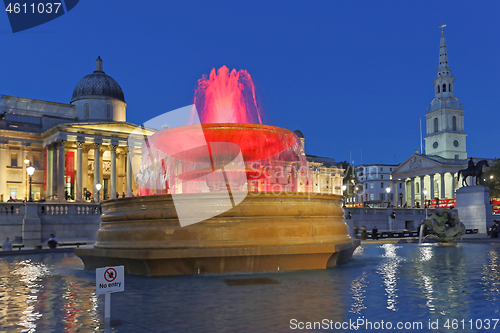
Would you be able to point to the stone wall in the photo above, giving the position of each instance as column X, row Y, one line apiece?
column 408, row 219
column 34, row 222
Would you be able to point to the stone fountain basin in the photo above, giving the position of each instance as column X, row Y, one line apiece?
column 265, row 232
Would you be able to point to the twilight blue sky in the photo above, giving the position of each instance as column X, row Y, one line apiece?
column 352, row 75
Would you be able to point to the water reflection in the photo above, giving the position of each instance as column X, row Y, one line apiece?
column 37, row 296
column 389, row 270
column 30, row 274
column 358, row 291
column 491, row 278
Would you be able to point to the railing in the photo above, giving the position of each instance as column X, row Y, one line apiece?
column 46, row 208
column 68, row 209
column 11, row 208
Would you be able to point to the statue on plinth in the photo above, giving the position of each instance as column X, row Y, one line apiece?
column 446, row 225
column 472, row 171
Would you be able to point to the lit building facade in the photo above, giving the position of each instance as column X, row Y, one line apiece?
column 72, row 146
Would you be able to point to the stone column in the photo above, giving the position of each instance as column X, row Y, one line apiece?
column 431, row 195
column 453, row 195
column 85, row 170
column 396, row 193
column 60, row 171
column 97, row 169
column 79, row 170
column 422, row 187
column 412, row 200
column 113, row 171
column 442, row 192
column 48, row 190
column 54, row 171
column 129, row 171
column 25, row 181
column 3, row 172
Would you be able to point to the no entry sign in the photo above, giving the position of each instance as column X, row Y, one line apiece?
column 109, row 280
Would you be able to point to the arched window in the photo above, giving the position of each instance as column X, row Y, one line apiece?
column 436, row 125
column 449, row 87
column 87, row 111
column 454, row 123
column 109, row 111
column 439, row 88
column 444, row 87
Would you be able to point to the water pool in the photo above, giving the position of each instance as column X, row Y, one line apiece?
column 392, row 283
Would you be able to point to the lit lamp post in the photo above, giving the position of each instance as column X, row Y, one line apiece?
column 31, row 171
column 343, row 192
column 98, row 187
column 388, row 190
column 425, row 194
column 26, row 161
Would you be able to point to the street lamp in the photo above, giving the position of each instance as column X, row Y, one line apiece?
column 388, row 190
column 425, row 194
column 26, row 161
column 98, row 187
column 31, row 171
column 344, row 187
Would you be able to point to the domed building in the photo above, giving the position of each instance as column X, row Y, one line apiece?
column 73, row 147
column 99, row 97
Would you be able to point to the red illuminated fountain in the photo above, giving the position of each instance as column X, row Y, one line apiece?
column 227, row 108
column 223, row 194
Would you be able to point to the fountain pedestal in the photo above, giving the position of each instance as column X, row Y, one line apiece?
column 474, row 208
column 265, row 232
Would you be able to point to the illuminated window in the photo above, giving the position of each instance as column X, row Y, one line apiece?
column 13, row 159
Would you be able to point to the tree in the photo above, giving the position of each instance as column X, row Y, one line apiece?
column 491, row 178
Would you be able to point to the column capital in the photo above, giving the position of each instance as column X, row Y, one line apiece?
column 61, row 142
column 97, row 145
column 79, row 144
column 128, row 149
column 113, row 147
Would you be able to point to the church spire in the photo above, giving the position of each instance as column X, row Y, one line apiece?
column 443, row 69
column 444, row 79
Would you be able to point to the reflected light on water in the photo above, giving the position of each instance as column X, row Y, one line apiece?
column 389, row 271
column 426, row 253
column 31, row 273
column 358, row 291
column 490, row 279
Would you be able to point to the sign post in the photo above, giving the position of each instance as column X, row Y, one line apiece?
column 109, row 280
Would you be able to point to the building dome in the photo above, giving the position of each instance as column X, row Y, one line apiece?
column 98, row 84
column 299, row 133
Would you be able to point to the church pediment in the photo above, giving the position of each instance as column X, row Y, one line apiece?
column 415, row 163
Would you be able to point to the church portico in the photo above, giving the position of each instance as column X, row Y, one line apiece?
column 427, row 178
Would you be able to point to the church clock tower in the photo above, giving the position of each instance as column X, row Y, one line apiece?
column 445, row 135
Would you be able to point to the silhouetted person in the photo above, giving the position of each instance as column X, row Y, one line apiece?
column 356, row 231
column 7, row 245
column 364, row 234
column 52, row 243
column 375, row 233
column 123, row 194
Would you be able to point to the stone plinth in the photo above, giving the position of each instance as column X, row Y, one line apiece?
column 265, row 232
column 474, row 208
